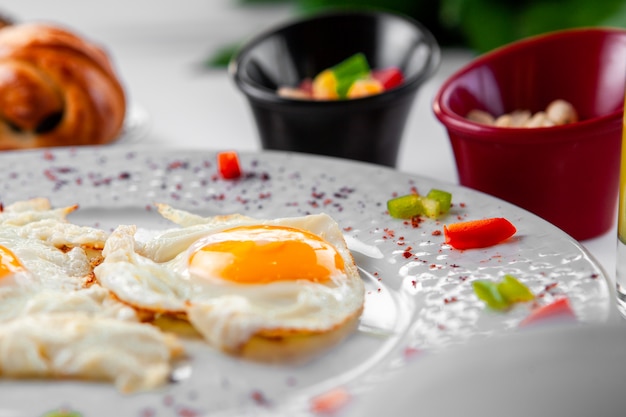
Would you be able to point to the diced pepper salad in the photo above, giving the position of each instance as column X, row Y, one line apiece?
column 351, row 78
column 501, row 295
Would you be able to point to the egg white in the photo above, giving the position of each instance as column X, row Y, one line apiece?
column 134, row 356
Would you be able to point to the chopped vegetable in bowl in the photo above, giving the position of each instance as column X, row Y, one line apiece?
column 351, row 78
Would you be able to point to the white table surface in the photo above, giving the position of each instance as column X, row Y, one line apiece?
column 158, row 47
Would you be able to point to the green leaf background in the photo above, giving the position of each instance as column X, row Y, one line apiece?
column 480, row 25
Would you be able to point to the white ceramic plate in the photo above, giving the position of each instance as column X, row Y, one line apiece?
column 419, row 295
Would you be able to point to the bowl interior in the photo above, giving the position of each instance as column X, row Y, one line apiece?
column 291, row 53
column 586, row 67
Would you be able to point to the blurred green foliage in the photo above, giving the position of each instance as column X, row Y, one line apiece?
column 480, row 25
column 487, row 24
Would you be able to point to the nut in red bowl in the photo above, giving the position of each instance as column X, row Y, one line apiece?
column 566, row 173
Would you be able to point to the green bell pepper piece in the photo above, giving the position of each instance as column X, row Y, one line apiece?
column 348, row 71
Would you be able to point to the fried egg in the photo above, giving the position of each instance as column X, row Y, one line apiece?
column 134, row 356
column 55, row 321
column 234, row 277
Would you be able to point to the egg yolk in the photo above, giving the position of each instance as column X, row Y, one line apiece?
column 263, row 254
column 9, row 264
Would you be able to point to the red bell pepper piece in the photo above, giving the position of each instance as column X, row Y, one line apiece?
column 228, row 165
column 478, row 233
column 389, row 77
column 559, row 310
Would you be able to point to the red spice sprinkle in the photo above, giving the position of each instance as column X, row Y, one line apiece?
column 177, row 164
column 50, row 175
column 48, row 156
column 347, row 229
column 147, row 412
column 414, row 190
column 407, row 254
column 551, row 286
column 450, row 300
column 462, row 205
column 415, row 221
column 259, row 398
column 263, row 196
column 188, row 412
column 414, row 283
column 410, row 352
column 328, row 201
column 168, row 400
column 436, row 233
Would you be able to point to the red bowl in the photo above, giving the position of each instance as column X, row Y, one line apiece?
column 567, row 174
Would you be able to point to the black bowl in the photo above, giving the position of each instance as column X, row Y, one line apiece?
column 367, row 129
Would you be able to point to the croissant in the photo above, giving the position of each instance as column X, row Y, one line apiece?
column 56, row 89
